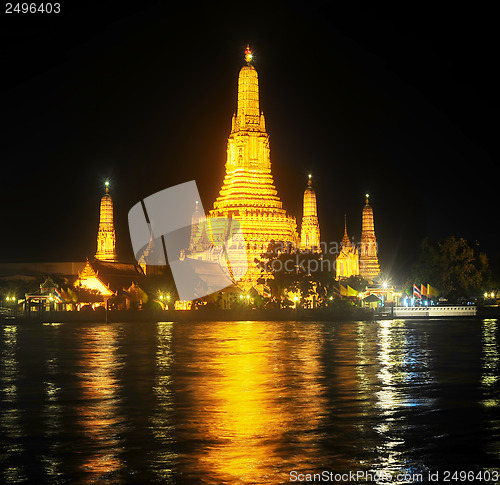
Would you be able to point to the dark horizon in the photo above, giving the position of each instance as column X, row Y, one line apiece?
column 393, row 103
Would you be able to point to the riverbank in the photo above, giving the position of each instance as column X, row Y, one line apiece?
column 320, row 314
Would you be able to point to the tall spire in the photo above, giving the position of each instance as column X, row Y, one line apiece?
column 369, row 265
column 248, row 194
column 106, row 238
column 248, row 116
column 345, row 240
column 309, row 234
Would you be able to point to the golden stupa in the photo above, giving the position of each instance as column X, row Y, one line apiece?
column 368, row 260
column 309, row 233
column 106, row 238
column 248, row 194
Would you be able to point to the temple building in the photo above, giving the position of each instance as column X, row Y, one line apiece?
column 248, row 194
column 106, row 238
column 347, row 262
column 368, row 261
column 309, row 234
column 105, row 277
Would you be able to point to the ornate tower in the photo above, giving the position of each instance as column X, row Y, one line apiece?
column 309, row 234
column 347, row 262
column 248, row 194
column 106, row 239
column 369, row 267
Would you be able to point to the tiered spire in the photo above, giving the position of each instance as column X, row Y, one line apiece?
column 309, row 234
column 248, row 193
column 369, row 266
column 106, row 238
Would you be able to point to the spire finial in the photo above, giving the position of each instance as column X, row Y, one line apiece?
column 346, row 242
column 309, row 182
column 367, row 197
column 107, row 186
column 248, row 54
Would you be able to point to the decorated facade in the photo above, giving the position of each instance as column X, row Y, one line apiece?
column 368, row 260
column 106, row 237
column 309, row 233
column 248, row 194
column 347, row 262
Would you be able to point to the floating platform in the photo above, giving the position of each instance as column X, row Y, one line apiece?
column 434, row 311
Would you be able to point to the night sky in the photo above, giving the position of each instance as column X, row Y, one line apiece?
column 397, row 103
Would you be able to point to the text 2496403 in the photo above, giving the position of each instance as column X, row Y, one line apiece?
column 32, row 8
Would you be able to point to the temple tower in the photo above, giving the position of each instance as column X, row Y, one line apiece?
column 309, row 234
column 369, row 266
column 106, row 238
column 248, row 194
column 347, row 262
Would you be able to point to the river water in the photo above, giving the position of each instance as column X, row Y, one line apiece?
column 250, row 402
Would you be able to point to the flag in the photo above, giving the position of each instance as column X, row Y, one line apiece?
column 416, row 292
column 431, row 291
column 423, row 290
column 351, row 291
column 343, row 290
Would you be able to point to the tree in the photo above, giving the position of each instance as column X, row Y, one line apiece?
column 286, row 270
column 455, row 266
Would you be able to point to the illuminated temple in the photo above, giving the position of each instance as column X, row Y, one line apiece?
column 368, row 259
column 347, row 262
column 248, row 194
column 309, row 229
column 105, row 275
column 106, row 238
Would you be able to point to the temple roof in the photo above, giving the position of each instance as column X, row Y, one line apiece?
column 114, row 275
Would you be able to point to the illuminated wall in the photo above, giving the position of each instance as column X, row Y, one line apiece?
column 309, row 234
column 369, row 266
column 106, row 239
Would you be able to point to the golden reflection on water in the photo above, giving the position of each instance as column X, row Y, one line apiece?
column 242, row 404
column 98, row 417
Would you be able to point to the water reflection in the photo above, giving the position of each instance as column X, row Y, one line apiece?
column 246, row 402
column 162, row 424
column 404, row 364
column 98, row 414
column 12, row 449
column 490, row 362
column 52, row 406
column 249, row 395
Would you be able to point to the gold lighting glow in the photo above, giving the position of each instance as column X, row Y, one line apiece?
column 309, row 234
column 347, row 262
column 369, row 266
column 106, row 238
column 89, row 279
column 97, row 413
column 248, row 194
